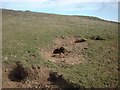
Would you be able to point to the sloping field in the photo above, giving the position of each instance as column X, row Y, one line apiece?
column 48, row 50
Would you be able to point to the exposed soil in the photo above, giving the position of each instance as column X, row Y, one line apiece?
column 66, row 51
column 17, row 76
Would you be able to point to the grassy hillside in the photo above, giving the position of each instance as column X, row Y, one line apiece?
column 24, row 32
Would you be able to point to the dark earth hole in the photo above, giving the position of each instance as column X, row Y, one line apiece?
column 59, row 50
column 97, row 37
column 18, row 74
column 61, row 82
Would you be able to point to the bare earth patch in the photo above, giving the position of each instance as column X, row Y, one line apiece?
column 66, row 51
column 17, row 76
column 34, row 77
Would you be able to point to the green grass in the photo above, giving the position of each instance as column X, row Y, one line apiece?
column 26, row 31
column 99, row 71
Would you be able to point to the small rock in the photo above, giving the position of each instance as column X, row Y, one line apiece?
column 81, row 40
column 38, row 67
column 33, row 67
column 18, row 44
column 63, row 37
column 85, row 56
column 6, row 58
column 89, row 59
column 60, row 65
column 27, row 81
column 72, row 64
column 46, row 86
column 8, row 83
column 6, row 70
column 48, row 46
column 38, row 48
column 62, row 60
column 35, row 86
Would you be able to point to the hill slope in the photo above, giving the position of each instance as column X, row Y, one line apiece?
column 28, row 36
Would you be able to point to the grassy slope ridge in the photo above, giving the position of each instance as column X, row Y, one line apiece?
column 26, row 31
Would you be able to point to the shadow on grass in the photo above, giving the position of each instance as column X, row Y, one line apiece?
column 63, row 83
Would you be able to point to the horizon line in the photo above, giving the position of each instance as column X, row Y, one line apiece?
column 93, row 16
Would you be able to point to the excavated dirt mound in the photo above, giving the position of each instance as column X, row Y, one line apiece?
column 17, row 76
column 34, row 77
column 66, row 51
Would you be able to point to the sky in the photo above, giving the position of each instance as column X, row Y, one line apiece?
column 105, row 9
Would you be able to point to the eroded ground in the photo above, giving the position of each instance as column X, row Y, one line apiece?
column 65, row 51
column 17, row 76
column 71, row 53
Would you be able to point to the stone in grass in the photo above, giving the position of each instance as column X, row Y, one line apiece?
column 81, row 40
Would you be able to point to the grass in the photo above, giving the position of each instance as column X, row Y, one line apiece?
column 24, row 32
column 99, row 71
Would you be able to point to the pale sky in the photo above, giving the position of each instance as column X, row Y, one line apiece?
column 106, row 9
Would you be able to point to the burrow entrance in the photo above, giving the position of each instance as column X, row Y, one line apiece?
column 97, row 37
column 18, row 74
column 59, row 50
column 66, row 51
column 61, row 82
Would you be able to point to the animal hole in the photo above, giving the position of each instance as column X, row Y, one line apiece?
column 59, row 50
column 18, row 73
